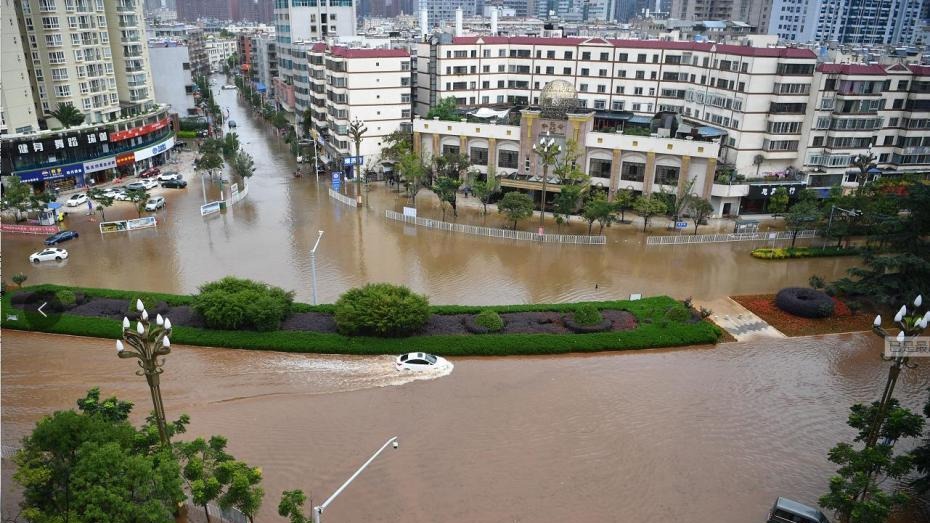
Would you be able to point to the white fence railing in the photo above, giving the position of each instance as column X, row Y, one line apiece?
column 684, row 239
column 348, row 200
column 497, row 233
column 238, row 196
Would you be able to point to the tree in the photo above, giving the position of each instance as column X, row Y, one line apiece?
column 566, row 166
column 201, row 460
column 921, row 457
column 516, row 206
column 649, row 206
column 623, row 200
column 93, row 465
column 279, row 120
column 447, row 109
column 485, row 190
column 243, row 165
column 566, row 203
column 803, row 214
column 19, row 279
column 548, row 152
column 16, row 195
column 397, row 144
column 677, row 204
column 68, row 115
column 103, row 200
column 447, row 190
column 699, row 208
column 209, row 161
column 778, row 202
column 138, row 197
column 356, row 131
column 306, row 121
column 452, row 165
column 243, row 491
column 757, row 161
column 413, row 171
column 230, row 145
column 855, row 493
column 598, row 209
column 291, row 506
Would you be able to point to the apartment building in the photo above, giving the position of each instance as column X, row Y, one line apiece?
column 860, row 108
column 218, row 50
column 17, row 105
column 754, row 12
column 749, row 97
column 863, row 22
column 171, row 73
column 265, row 62
column 347, row 84
column 91, row 55
column 197, row 48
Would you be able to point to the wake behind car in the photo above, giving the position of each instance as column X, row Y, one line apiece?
column 76, row 199
column 53, row 253
column 174, row 184
column 61, row 236
column 419, row 361
column 155, row 203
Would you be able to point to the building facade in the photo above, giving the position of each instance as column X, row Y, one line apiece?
column 218, row 50
column 754, row 12
column 17, row 104
column 231, row 10
column 863, row 22
column 171, row 72
column 265, row 63
column 197, row 49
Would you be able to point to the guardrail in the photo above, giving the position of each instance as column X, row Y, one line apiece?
column 351, row 202
column 238, row 196
column 497, row 233
column 685, row 239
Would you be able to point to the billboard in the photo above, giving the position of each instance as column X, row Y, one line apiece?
column 210, row 208
column 141, row 223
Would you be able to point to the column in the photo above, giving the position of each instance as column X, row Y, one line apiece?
column 492, row 156
column 437, row 147
column 417, row 145
column 650, row 175
column 709, row 177
column 463, row 146
column 683, row 175
column 614, row 175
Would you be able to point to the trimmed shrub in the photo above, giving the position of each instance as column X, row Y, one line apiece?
column 806, row 303
column 66, row 298
column 588, row 315
column 802, row 252
column 679, row 314
column 489, row 320
column 235, row 303
column 381, row 309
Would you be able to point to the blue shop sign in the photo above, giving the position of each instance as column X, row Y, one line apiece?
column 53, row 173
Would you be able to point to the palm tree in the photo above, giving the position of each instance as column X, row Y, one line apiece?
column 548, row 151
column 863, row 162
column 67, row 114
column 357, row 129
column 757, row 161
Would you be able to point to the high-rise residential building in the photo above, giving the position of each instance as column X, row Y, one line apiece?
column 218, row 51
column 171, row 73
column 17, row 106
column 754, row 12
column 439, row 11
column 197, row 48
column 91, row 55
column 264, row 65
column 232, row 10
column 390, row 8
column 866, row 22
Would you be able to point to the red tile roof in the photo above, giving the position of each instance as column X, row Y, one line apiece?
column 922, row 70
column 348, row 52
column 740, row 50
column 873, row 69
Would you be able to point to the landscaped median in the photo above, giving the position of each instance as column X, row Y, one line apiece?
column 803, row 252
column 526, row 329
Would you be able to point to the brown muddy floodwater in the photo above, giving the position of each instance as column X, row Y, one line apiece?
column 269, row 235
column 648, row 436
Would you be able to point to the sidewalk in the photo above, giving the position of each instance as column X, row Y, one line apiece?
column 739, row 321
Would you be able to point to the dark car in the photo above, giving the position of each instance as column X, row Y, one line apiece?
column 59, row 237
column 150, row 172
column 174, row 184
column 788, row 511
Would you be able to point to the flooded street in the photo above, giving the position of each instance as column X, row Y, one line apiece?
column 651, row 436
column 268, row 237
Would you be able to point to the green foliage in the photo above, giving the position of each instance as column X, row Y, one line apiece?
column 201, row 460
column 566, row 202
column 103, row 200
column 699, row 209
column 230, row 145
column 94, row 466
column 678, row 314
column 451, row 165
column 447, row 191
column 490, row 320
column 192, row 125
column 291, row 506
column 778, row 202
column 235, row 303
column 649, row 206
column 802, row 252
column 243, row 490
column 66, row 297
column 243, row 164
column 381, row 309
column 445, row 110
column 623, row 200
column 803, row 214
column 816, row 282
column 19, row 279
column 598, row 209
column 515, row 206
column 631, row 130
column 413, row 171
column 17, row 194
column 396, row 145
column 485, row 190
column 67, row 114
column 588, row 315
column 921, row 458
column 279, row 120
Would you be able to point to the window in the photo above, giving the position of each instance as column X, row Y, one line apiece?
column 53, row 40
column 568, row 55
column 508, row 159
column 641, row 58
column 605, row 57
column 585, row 71
column 50, row 22
column 586, row 55
column 478, row 156
column 405, row 98
column 617, row 106
column 405, row 113
column 62, row 91
column 599, row 168
column 667, row 175
column 567, row 71
column 623, row 57
column 583, row 88
column 602, row 88
column 450, row 149
column 632, row 171
column 550, row 54
column 640, row 75
column 638, row 90
column 600, row 104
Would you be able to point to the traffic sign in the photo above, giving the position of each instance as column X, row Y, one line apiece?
column 681, row 225
column 337, row 180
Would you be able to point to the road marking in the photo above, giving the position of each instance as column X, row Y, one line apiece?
column 40, row 309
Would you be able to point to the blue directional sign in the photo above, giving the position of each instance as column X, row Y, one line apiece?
column 337, row 180
column 681, row 225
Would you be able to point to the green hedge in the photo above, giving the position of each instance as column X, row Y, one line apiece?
column 802, row 252
column 187, row 134
column 649, row 333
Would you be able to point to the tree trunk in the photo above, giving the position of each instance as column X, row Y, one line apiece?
column 590, row 226
column 515, row 225
column 645, row 223
column 601, row 231
column 206, row 512
column 794, row 237
column 696, row 222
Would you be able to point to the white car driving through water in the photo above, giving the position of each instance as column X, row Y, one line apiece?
column 418, row 361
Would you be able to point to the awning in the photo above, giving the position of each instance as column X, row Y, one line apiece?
column 53, row 205
column 640, row 119
column 711, row 132
column 260, row 87
column 487, row 112
column 874, row 170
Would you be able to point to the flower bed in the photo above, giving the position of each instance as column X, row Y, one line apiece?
column 802, row 252
column 530, row 329
column 763, row 306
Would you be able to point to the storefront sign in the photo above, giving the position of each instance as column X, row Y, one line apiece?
column 28, row 229
column 353, row 160
column 149, row 152
column 138, row 131
column 62, row 142
column 141, row 223
column 53, row 173
column 759, row 192
column 125, row 159
column 100, row 165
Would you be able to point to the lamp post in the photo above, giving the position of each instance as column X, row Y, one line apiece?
column 834, row 208
column 313, row 263
column 147, row 343
column 547, row 150
column 318, row 510
column 911, row 325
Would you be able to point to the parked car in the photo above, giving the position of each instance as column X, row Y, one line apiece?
column 149, row 184
column 150, row 172
column 112, row 192
column 170, row 175
column 61, row 236
column 53, row 253
column 155, row 203
column 122, row 195
column 231, row 124
column 76, row 199
column 419, row 361
column 135, row 186
column 174, row 184
column 788, row 511
column 229, row 87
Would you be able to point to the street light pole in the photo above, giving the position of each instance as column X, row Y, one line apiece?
column 148, row 343
column 313, row 264
column 318, row 510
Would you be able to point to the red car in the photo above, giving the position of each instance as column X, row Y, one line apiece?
column 148, row 173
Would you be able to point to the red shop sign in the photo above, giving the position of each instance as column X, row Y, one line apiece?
column 138, row 131
column 125, row 159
